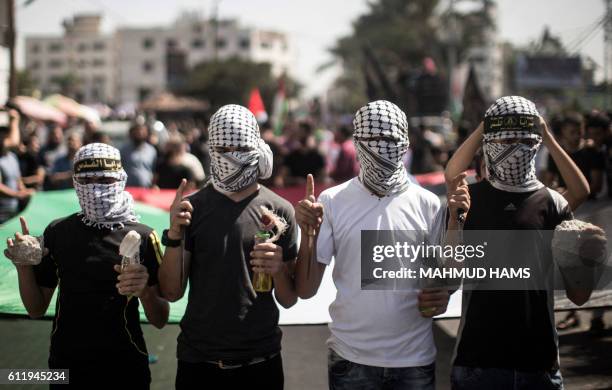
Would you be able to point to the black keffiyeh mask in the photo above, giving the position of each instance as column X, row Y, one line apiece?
column 235, row 126
column 381, row 140
column 102, row 205
column 511, row 166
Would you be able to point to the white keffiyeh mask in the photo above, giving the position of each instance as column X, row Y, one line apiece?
column 381, row 140
column 235, row 126
column 511, row 166
column 102, row 205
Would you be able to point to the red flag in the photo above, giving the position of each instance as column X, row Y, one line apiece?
column 257, row 107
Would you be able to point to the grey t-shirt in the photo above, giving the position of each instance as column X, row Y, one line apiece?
column 139, row 163
column 10, row 175
column 224, row 319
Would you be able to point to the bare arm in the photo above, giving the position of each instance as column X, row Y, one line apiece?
column 174, row 269
column 14, row 137
column 309, row 216
column 463, row 156
column 577, row 186
column 155, row 307
column 173, row 272
column 35, row 299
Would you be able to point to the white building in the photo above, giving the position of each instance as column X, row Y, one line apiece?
column 153, row 59
column 82, row 61
column 134, row 63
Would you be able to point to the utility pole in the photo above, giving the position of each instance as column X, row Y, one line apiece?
column 608, row 53
column 11, row 35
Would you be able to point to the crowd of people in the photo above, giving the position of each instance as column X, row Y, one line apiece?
column 229, row 332
column 160, row 160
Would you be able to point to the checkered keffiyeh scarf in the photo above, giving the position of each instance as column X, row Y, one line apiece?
column 381, row 140
column 235, row 126
column 102, row 205
column 511, row 167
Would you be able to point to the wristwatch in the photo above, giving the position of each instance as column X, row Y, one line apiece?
column 167, row 241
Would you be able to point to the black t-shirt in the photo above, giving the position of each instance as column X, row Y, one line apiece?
column 302, row 162
column 224, row 319
column 169, row 176
column 92, row 320
column 511, row 329
column 587, row 159
column 29, row 163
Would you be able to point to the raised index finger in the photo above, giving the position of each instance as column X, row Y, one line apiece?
column 309, row 186
column 457, row 179
column 24, row 226
column 179, row 192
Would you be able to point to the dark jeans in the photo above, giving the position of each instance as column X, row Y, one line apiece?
column 267, row 375
column 475, row 378
column 346, row 375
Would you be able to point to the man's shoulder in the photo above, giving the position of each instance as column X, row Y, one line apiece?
column 339, row 190
column 423, row 195
column 140, row 228
column 278, row 201
column 67, row 222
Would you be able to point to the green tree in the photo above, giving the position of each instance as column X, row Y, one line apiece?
column 25, row 84
column 231, row 81
column 398, row 35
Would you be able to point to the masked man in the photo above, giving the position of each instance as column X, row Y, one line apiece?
column 96, row 329
column 379, row 339
column 507, row 339
column 229, row 334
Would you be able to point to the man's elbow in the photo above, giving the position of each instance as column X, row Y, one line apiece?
column 288, row 303
column 305, row 292
column 579, row 298
column 171, row 294
column 36, row 314
column 159, row 324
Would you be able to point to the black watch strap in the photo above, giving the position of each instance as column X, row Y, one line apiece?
column 167, row 241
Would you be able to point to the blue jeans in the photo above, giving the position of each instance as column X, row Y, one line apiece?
column 475, row 378
column 346, row 375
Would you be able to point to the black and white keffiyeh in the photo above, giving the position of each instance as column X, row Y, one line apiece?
column 235, row 126
column 511, row 166
column 102, row 205
column 381, row 140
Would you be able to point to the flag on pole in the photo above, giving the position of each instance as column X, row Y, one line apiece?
column 257, row 107
column 281, row 108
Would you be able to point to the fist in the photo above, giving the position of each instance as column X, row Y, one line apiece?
column 133, row 280
column 267, row 257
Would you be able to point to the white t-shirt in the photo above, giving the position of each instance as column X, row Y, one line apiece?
column 376, row 328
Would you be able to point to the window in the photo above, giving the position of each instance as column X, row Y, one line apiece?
column 171, row 43
column 98, row 62
column 100, row 79
column 148, row 43
column 54, row 64
column 99, row 46
column 266, row 45
column 147, row 66
column 35, row 48
column 244, row 43
column 55, row 47
column 197, row 29
column 82, row 63
column 82, row 47
column 198, row 43
column 34, row 65
column 221, row 43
